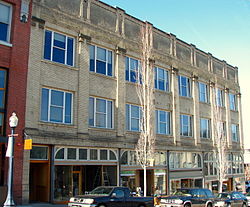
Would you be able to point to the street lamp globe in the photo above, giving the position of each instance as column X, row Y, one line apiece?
column 13, row 121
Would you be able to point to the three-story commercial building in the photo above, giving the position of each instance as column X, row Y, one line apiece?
column 83, row 112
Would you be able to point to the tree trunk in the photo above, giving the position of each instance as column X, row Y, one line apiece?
column 145, row 181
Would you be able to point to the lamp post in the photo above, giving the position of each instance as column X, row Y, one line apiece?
column 13, row 121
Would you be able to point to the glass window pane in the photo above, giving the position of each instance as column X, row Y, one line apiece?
column 4, row 31
column 60, row 154
column 135, row 111
column 103, row 155
column 135, row 124
column 110, row 115
column 56, row 114
column 2, row 98
column 68, row 107
column 101, row 54
column 45, row 104
column 163, row 128
column 91, row 111
column 162, row 116
column 101, row 105
column 133, row 64
column 161, row 74
column 127, row 117
column 4, row 14
column 112, row 155
column 71, row 155
column 47, row 45
column 83, row 154
column 58, row 55
column 39, row 153
column 2, row 78
column 92, row 58
column 93, row 154
column 100, row 120
column 57, row 98
column 59, row 40
column 70, row 51
column 101, row 67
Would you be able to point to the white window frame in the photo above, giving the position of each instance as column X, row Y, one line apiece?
column 203, row 94
column 104, row 113
column 136, row 118
column 190, row 125
column 136, row 70
column 232, row 101
column 187, row 86
column 235, row 131
column 165, row 80
column 7, row 42
column 207, row 128
column 106, row 61
column 168, row 124
column 63, row 107
column 219, row 97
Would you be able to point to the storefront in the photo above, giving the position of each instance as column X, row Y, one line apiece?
column 185, row 170
column 74, row 171
column 132, row 173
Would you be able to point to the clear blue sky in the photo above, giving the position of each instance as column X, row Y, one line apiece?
column 221, row 27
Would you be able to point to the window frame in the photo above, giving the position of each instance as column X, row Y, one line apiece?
column 165, row 80
column 187, row 86
column 208, row 128
column 220, row 96
column 232, row 102
column 106, row 60
column 203, row 94
column 52, row 46
column 9, row 23
column 190, row 125
column 235, row 132
column 167, row 123
column 129, row 128
column 136, row 71
column 51, row 105
column 103, row 113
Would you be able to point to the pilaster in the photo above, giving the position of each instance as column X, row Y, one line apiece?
column 228, row 118
column 241, row 136
column 195, row 92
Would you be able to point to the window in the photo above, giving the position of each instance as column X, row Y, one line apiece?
column 132, row 66
column 56, row 106
column 161, row 79
column 235, row 133
column 162, row 122
column 133, row 117
column 5, row 21
column 203, row 92
column 219, row 97
column 100, row 60
column 100, row 113
column 59, row 48
column 204, row 128
column 39, row 153
column 186, row 125
column 3, row 75
column 232, row 99
column 184, row 86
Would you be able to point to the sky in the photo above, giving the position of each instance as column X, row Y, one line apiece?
column 220, row 27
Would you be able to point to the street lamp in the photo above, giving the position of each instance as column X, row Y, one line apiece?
column 13, row 121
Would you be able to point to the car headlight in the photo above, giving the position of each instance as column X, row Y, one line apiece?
column 72, row 199
column 88, row 201
column 220, row 203
column 178, row 201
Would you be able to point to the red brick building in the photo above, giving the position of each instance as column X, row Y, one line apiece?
column 14, row 50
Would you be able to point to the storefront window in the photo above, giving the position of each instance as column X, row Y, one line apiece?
column 39, row 153
column 103, row 155
column 83, row 154
column 60, row 154
column 71, row 155
column 185, row 160
column 160, row 182
column 93, row 154
column 112, row 155
column 124, row 158
column 128, row 179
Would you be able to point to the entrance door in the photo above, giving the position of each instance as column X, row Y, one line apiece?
column 77, row 180
column 150, row 181
column 39, row 182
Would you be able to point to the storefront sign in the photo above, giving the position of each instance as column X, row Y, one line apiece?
column 28, row 144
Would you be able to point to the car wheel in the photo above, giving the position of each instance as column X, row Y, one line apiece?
column 229, row 205
column 187, row 205
column 244, row 205
column 209, row 205
column 102, row 205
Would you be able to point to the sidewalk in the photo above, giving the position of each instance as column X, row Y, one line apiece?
column 42, row 205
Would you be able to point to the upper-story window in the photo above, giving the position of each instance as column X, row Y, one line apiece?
column 232, row 100
column 100, row 113
column 100, row 60
column 204, row 128
column 3, row 74
column 203, row 92
column 161, row 79
column 185, row 125
column 56, row 106
column 219, row 97
column 235, row 133
column 132, row 69
column 162, row 122
column 184, row 86
column 59, row 48
column 133, row 117
column 5, row 21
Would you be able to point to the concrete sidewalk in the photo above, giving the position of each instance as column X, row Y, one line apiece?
column 42, row 205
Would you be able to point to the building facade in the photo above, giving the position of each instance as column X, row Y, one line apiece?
column 83, row 113
column 14, row 52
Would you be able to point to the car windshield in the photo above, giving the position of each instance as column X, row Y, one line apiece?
column 223, row 195
column 182, row 192
column 101, row 191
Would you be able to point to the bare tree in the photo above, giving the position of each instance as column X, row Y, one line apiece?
column 145, row 90
column 220, row 139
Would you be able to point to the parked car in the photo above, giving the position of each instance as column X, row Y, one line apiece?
column 110, row 196
column 247, row 185
column 231, row 199
column 248, row 198
column 188, row 197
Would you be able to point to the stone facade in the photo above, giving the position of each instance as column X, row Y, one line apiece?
column 93, row 22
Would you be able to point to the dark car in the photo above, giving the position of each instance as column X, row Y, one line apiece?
column 187, row 197
column 110, row 196
column 231, row 199
column 248, row 198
